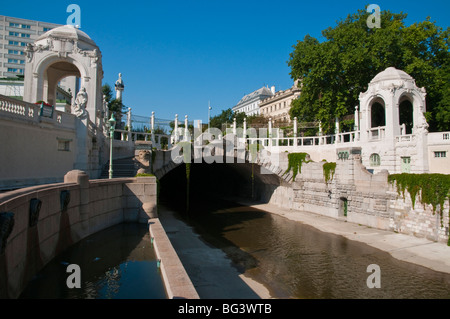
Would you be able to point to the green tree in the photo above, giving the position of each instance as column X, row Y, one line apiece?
column 114, row 104
column 227, row 117
column 334, row 72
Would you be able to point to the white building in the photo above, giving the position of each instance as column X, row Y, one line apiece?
column 278, row 105
column 249, row 104
column 391, row 132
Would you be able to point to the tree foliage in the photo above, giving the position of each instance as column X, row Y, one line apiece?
column 114, row 105
column 334, row 72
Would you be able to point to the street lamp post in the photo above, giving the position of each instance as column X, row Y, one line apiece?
column 112, row 126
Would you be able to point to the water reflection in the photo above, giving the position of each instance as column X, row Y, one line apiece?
column 116, row 263
column 297, row 261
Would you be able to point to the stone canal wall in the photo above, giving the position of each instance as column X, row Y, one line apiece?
column 358, row 196
column 38, row 223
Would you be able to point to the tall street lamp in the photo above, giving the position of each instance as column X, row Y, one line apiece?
column 112, row 126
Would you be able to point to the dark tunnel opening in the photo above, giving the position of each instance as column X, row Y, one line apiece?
column 216, row 181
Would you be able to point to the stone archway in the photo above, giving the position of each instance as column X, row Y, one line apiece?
column 406, row 115
column 58, row 53
column 377, row 113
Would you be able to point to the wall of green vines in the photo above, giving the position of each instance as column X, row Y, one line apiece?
column 295, row 163
column 328, row 171
column 432, row 189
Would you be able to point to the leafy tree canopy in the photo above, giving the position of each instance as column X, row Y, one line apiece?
column 334, row 72
column 114, row 104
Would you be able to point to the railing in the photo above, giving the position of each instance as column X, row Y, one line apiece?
column 160, row 140
column 405, row 138
column 35, row 113
column 377, row 133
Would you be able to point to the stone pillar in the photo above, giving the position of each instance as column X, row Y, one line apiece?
column 186, row 129
column 152, row 128
column 175, row 128
column 130, row 137
column 270, row 127
column 234, row 126
column 82, row 155
column 82, row 179
column 336, row 130
column 245, row 129
column 295, row 126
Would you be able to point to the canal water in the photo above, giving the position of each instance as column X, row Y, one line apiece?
column 116, row 263
column 294, row 260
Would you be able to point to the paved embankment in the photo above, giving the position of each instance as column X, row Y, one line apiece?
column 176, row 280
column 420, row 251
column 209, row 268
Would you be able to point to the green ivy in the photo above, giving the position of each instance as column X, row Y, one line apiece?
column 434, row 189
column 295, row 163
column 328, row 171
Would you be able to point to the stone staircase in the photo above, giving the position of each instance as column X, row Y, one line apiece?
column 124, row 167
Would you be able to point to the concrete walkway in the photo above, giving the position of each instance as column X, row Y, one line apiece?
column 208, row 267
column 420, row 251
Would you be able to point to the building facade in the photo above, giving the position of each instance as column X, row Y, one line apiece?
column 278, row 105
column 15, row 35
column 249, row 104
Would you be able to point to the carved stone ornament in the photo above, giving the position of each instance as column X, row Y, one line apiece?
column 79, row 104
column 6, row 227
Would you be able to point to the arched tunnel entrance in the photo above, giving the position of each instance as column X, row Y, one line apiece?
column 224, row 181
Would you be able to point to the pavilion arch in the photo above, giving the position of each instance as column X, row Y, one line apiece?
column 406, row 112
column 53, row 70
column 377, row 112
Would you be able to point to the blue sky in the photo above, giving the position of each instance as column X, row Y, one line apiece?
column 175, row 56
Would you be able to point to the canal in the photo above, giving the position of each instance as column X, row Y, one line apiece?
column 116, row 263
column 290, row 259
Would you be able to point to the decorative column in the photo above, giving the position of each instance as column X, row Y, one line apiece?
column 244, row 135
column 357, row 125
column 336, row 130
column 270, row 127
column 295, row 127
column 186, row 128
column 152, row 128
column 234, row 126
column 130, row 137
column 175, row 128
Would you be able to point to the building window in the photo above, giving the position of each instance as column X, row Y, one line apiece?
column 14, row 34
column 13, row 42
column 64, row 145
column 47, row 29
column 26, row 26
column 17, row 52
column 440, row 154
column 24, row 35
column 375, row 160
column 14, row 25
column 16, row 61
column 15, row 70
